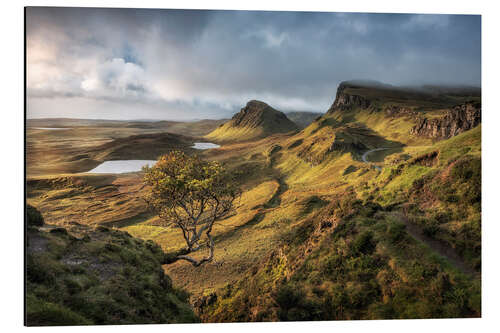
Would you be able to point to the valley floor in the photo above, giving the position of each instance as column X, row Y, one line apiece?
column 279, row 237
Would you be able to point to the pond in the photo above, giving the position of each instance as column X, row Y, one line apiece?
column 205, row 145
column 122, row 166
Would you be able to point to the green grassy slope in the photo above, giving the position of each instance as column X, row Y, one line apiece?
column 256, row 120
column 358, row 258
column 84, row 276
column 319, row 233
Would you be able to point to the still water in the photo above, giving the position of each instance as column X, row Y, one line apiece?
column 122, row 166
column 205, row 145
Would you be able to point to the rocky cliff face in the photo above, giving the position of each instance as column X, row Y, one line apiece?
column 459, row 119
column 344, row 101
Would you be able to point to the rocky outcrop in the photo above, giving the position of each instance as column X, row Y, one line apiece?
column 257, row 113
column 459, row 119
column 256, row 120
column 345, row 101
column 399, row 111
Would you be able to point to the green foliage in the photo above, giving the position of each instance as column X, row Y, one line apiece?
column 43, row 313
column 358, row 270
column 467, row 173
column 293, row 304
column 191, row 194
column 34, row 217
column 364, row 243
column 108, row 279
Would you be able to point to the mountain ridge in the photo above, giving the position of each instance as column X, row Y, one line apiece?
column 256, row 120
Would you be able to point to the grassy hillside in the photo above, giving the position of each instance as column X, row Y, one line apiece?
column 379, row 249
column 256, row 120
column 83, row 276
column 355, row 216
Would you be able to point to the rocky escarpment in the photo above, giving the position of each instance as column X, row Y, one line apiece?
column 346, row 101
column 459, row 119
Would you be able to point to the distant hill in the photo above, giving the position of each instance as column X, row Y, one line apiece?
column 303, row 118
column 142, row 146
column 191, row 128
column 256, row 120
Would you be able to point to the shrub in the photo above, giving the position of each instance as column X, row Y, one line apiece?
column 289, row 296
column 396, row 232
column 364, row 243
column 42, row 313
column 33, row 217
column 431, row 230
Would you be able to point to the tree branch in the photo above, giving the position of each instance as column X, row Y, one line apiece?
column 170, row 258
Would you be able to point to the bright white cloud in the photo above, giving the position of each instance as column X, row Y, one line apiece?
column 115, row 78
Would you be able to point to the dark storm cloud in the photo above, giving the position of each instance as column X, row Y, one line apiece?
column 212, row 62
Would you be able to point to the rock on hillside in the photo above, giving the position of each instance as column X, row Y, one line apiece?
column 80, row 275
column 345, row 101
column 455, row 121
column 256, row 120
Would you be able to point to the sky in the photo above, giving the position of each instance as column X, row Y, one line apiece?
column 98, row 63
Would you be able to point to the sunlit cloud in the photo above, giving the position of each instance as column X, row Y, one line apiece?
column 173, row 64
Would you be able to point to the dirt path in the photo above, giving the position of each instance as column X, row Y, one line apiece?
column 438, row 246
column 365, row 155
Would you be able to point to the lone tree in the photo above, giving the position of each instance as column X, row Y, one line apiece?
column 191, row 194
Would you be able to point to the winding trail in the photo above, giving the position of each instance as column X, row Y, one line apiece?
column 437, row 246
column 365, row 155
column 417, row 233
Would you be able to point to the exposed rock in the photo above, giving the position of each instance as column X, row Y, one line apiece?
column 345, row 101
column 257, row 113
column 400, row 111
column 427, row 160
column 459, row 119
column 255, row 120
